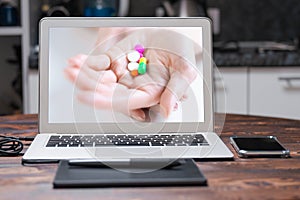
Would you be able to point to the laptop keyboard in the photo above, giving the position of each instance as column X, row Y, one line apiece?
column 126, row 140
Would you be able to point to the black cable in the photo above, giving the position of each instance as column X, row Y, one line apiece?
column 12, row 146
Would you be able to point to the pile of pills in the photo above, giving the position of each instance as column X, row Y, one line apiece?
column 137, row 62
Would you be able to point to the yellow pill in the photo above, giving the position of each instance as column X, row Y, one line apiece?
column 143, row 59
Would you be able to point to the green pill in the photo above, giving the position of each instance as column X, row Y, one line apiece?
column 142, row 68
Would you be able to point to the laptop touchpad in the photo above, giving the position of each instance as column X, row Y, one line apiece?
column 128, row 152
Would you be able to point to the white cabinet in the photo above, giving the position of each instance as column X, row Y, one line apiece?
column 231, row 94
column 275, row 92
column 265, row 91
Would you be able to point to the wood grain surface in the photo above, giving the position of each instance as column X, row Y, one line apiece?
column 257, row 178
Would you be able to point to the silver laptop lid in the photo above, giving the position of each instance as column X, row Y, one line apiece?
column 91, row 80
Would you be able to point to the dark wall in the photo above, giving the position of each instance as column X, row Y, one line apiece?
column 258, row 19
column 143, row 8
column 245, row 19
column 240, row 19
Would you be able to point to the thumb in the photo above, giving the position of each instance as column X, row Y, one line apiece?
column 176, row 88
column 118, row 60
column 138, row 115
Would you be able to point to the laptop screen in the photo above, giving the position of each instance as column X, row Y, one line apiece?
column 125, row 74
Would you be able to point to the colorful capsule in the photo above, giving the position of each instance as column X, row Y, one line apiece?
column 139, row 48
column 142, row 68
column 133, row 66
column 133, row 56
column 134, row 72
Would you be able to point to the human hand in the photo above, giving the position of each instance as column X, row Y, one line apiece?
column 104, row 81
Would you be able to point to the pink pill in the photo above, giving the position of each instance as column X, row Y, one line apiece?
column 139, row 48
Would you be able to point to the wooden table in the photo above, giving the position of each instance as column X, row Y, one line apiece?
column 263, row 178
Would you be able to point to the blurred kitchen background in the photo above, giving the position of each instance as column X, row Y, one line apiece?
column 256, row 48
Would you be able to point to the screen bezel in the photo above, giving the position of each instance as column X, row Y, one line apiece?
column 47, row 23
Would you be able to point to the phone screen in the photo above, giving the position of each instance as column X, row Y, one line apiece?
column 258, row 144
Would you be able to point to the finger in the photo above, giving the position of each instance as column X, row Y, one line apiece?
column 141, row 99
column 138, row 115
column 106, row 76
column 118, row 60
column 176, row 88
column 77, row 61
column 168, row 101
column 78, row 78
column 83, row 76
column 83, row 82
column 102, row 101
column 106, row 89
column 120, row 99
column 71, row 73
column 99, row 62
column 96, row 100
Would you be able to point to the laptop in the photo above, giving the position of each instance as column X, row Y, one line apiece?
column 97, row 103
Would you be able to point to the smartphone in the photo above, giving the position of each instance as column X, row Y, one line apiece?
column 258, row 146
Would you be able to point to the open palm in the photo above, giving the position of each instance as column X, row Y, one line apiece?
column 105, row 83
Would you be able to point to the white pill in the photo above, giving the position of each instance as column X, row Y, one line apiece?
column 133, row 56
column 133, row 66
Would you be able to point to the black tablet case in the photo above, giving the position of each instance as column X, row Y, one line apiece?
column 187, row 174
